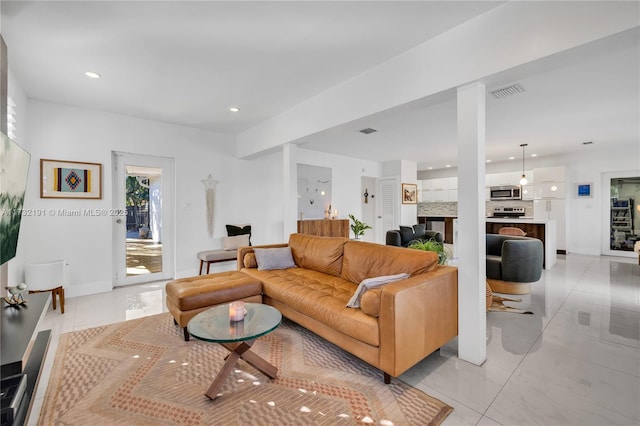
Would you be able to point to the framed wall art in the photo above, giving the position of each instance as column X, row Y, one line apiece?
column 409, row 193
column 70, row 179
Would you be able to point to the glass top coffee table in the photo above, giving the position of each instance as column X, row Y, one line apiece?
column 214, row 325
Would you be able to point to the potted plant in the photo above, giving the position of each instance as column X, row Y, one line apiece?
column 358, row 227
column 443, row 252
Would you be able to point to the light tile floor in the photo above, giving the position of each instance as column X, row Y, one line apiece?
column 576, row 361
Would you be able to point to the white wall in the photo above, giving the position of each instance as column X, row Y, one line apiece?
column 346, row 178
column 68, row 133
column 409, row 174
column 406, row 172
column 585, row 217
column 15, row 265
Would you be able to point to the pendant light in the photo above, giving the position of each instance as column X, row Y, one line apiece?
column 523, row 179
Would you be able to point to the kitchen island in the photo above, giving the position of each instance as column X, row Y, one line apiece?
column 544, row 230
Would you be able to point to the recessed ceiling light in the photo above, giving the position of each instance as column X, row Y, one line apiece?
column 448, row 165
column 234, row 109
column 429, row 168
column 92, row 74
column 534, row 155
column 488, row 161
column 512, row 158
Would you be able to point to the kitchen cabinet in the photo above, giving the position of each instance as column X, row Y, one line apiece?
column 549, row 174
column 503, row 179
column 556, row 210
column 440, row 184
column 440, row 190
column 528, row 192
column 549, row 190
column 442, row 224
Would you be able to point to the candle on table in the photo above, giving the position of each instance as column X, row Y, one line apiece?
column 236, row 311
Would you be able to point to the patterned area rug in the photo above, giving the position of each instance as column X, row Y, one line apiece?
column 141, row 372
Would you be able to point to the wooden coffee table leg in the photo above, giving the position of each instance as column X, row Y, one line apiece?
column 222, row 375
column 260, row 364
column 237, row 352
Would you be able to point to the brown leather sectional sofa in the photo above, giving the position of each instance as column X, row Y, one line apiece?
column 397, row 325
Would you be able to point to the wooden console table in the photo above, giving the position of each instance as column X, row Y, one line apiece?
column 24, row 348
column 324, row 227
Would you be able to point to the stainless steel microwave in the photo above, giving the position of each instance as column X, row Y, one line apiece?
column 510, row 192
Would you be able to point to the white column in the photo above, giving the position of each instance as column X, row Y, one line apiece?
column 290, row 190
column 471, row 246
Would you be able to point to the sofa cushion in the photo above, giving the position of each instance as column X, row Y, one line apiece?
column 274, row 258
column 365, row 260
column 321, row 297
column 210, row 290
column 321, row 254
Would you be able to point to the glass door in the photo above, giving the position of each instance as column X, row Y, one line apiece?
column 143, row 238
column 624, row 213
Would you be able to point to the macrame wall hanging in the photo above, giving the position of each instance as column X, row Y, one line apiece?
column 210, row 194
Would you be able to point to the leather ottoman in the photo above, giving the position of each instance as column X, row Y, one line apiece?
column 187, row 297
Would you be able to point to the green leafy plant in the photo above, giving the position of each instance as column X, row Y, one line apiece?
column 443, row 252
column 358, row 227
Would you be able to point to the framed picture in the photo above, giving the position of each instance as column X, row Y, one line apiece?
column 70, row 179
column 409, row 193
column 584, row 190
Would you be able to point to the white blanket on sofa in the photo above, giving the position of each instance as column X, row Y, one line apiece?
column 369, row 283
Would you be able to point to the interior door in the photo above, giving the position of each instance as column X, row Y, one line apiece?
column 388, row 206
column 143, row 234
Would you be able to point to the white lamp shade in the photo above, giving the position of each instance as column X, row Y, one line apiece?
column 45, row 275
column 523, row 180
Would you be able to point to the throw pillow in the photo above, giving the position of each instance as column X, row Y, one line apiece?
column 233, row 243
column 249, row 260
column 274, row 258
column 406, row 233
column 375, row 282
column 420, row 229
column 233, row 230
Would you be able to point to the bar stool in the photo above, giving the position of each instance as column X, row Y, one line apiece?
column 46, row 276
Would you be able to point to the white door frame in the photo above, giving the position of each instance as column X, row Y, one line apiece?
column 119, row 162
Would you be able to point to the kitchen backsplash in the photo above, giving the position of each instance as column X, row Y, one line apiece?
column 451, row 209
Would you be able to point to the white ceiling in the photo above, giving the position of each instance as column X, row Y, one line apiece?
column 188, row 62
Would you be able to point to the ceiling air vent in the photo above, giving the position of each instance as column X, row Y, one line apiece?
column 514, row 89
column 368, row 131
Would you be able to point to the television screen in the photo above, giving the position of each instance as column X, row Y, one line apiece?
column 14, row 168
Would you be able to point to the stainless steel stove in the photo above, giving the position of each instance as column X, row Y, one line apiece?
column 508, row 211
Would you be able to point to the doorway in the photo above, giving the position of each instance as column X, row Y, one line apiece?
column 143, row 234
column 621, row 213
column 388, row 207
column 624, row 213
